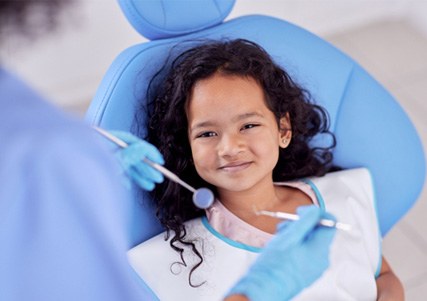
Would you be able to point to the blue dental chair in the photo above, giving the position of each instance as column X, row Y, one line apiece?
column 371, row 128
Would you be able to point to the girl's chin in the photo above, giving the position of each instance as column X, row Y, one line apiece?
column 233, row 188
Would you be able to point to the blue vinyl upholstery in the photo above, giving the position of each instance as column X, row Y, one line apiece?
column 372, row 129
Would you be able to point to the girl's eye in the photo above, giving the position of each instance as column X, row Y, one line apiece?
column 206, row 135
column 249, row 126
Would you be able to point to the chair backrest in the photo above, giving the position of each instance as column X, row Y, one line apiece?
column 371, row 128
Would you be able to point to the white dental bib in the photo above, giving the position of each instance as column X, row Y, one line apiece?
column 355, row 256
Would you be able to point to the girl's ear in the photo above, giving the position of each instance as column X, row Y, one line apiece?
column 285, row 131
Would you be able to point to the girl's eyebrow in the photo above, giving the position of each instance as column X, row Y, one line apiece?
column 247, row 115
column 201, row 125
column 234, row 119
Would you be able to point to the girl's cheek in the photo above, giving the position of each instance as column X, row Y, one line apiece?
column 203, row 158
column 196, row 153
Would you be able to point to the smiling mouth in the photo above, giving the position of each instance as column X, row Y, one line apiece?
column 235, row 167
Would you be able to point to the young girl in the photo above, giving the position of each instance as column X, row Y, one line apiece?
column 228, row 118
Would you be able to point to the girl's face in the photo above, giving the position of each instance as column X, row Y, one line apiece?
column 234, row 137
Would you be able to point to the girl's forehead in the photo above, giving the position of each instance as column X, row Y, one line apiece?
column 222, row 91
column 226, row 99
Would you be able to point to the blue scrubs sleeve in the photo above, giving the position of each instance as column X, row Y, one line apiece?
column 62, row 207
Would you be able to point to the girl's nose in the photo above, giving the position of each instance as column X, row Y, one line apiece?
column 230, row 145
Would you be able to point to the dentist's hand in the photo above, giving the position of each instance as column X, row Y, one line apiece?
column 131, row 160
column 296, row 256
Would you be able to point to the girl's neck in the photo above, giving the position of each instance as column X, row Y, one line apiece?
column 243, row 203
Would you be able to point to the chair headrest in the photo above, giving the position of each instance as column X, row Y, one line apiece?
column 169, row 18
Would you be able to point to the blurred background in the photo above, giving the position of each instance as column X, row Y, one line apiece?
column 387, row 37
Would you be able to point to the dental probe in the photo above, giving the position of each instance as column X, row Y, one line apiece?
column 295, row 217
column 202, row 197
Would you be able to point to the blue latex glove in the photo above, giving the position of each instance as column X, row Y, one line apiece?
column 296, row 256
column 131, row 160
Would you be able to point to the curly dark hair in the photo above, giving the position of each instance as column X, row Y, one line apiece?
column 167, row 128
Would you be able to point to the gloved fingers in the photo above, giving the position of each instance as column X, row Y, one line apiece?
column 146, row 171
column 132, row 155
column 142, row 182
column 286, row 223
column 327, row 232
column 153, row 154
column 321, row 239
column 327, row 215
column 303, row 210
column 131, row 160
column 140, row 149
column 287, row 264
column 309, row 217
column 322, row 235
column 125, row 136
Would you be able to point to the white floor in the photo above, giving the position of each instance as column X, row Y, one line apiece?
column 395, row 53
